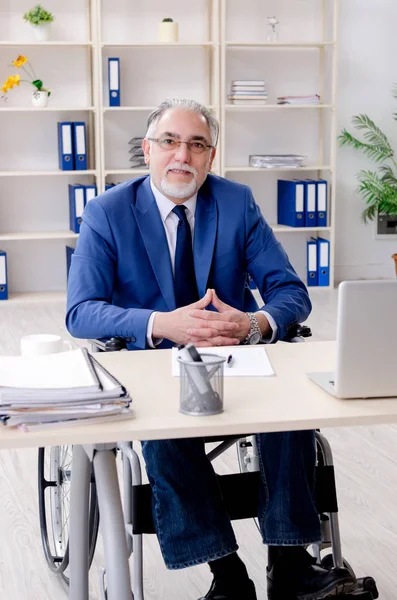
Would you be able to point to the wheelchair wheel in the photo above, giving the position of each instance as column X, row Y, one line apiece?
column 54, row 478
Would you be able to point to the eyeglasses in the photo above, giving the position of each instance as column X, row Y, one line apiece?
column 169, row 143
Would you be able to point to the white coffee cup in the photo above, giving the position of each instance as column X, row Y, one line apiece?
column 39, row 344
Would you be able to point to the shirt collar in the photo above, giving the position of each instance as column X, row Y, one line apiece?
column 165, row 205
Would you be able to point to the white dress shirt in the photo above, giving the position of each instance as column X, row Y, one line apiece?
column 170, row 221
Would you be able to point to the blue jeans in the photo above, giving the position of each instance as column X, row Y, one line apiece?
column 191, row 522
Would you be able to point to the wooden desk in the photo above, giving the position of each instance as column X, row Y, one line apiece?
column 288, row 401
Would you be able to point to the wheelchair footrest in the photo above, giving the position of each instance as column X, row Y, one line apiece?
column 365, row 590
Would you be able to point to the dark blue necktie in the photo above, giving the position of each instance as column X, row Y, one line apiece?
column 185, row 286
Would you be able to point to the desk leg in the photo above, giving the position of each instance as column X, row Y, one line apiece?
column 113, row 528
column 79, row 524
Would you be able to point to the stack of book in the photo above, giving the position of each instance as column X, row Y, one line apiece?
column 137, row 157
column 59, row 389
column 248, row 92
column 314, row 99
column 276, row 161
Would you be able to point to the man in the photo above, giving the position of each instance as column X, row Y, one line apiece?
column 152, row 255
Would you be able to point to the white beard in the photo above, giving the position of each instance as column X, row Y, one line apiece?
column 178, row 190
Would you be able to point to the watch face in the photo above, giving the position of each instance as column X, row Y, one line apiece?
column 254, row 338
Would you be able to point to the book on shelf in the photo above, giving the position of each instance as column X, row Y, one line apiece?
column 247, row 96
column 58, row 387
column 311, row 99
column 248, row 88
column 239, row 102
column 247, row 92
column 245, row 82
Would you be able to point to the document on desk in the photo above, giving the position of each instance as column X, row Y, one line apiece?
column 247, row 361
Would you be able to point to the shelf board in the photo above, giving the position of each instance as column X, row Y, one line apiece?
column 277, row 170
column 287, row 229
column 46, row 108
column 127, row 108
column 141, row 108
column 33, row 43
column 44, row 173
column 38, row 235
column 278, row 44
column 131, row 172
column 276, row 106
column 158, row 45
column 23, row 297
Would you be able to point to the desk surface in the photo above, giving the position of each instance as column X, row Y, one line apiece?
column 285, row 402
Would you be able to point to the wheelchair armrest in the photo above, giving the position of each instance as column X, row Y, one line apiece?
column 297, row 331
column 113, row 344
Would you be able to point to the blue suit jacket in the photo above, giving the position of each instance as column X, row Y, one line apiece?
column 121, row 270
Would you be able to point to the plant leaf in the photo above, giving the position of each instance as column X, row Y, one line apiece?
column 388, row 175
column 376, row 153
column 380, row 196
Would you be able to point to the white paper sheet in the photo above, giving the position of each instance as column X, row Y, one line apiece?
column 248, row 361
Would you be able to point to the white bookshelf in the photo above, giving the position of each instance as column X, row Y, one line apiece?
column 146, row 75
column 38, row 235
column 51, row 173
column 219, row 40
column 281, row 170
column 302, row 61
column 24, row 43
column 279, row 107
column 34, row 207
column 46, row 109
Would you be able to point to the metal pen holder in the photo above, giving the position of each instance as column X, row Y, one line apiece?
column 201, row 391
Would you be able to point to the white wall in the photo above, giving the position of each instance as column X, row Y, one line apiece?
column 366, row 73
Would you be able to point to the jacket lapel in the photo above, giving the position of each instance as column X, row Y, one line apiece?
column 205, row 228
column 152, row 231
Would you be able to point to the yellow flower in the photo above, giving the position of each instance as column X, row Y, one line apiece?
column 15, row 79
column 21, row 60
column 11, row 81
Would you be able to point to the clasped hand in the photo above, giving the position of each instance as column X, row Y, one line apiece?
column 193, row 325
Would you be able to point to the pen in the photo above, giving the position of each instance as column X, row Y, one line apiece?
column 229, row 360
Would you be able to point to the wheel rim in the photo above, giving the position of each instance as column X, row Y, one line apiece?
column 54, row 470
column 60, row 469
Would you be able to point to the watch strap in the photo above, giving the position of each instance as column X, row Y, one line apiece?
column 254, row 327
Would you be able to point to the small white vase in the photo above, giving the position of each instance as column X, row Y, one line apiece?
column 41, row 33
column 168, row 32
column 39, row 99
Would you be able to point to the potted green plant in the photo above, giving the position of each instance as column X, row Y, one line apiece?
column 377, row 188
column 40, row 20
column 168, row 31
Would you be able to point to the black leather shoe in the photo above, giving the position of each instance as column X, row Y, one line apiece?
column 220, row 591
column 306, row 581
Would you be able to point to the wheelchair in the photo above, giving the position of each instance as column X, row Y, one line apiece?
column 240, row 492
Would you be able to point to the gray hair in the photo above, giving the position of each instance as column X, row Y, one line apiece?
column 190, row 105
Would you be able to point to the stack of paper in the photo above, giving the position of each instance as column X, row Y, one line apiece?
column 276, row 161
column 313, row 99
column 248, row 92
column 137, row 158
column 55, row 388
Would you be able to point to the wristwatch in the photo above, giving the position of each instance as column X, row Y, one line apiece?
column 254, row 335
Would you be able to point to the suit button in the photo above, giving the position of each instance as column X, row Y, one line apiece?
column 132, row 339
